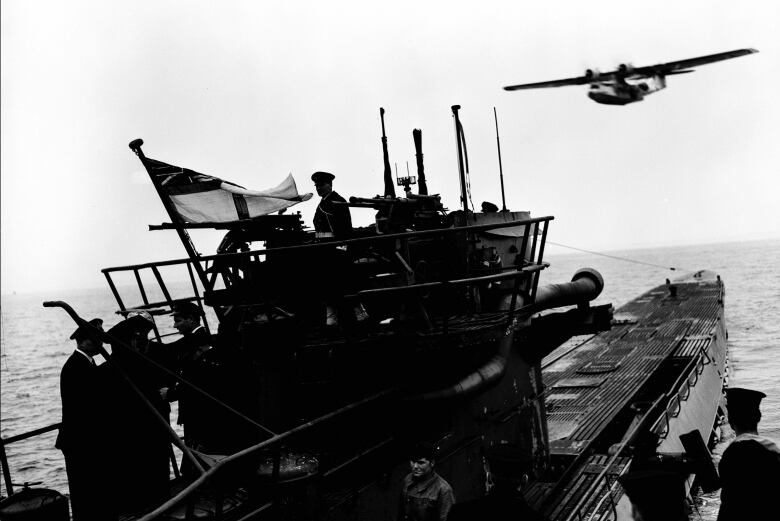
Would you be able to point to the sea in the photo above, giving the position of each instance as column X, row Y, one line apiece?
column 35, row 341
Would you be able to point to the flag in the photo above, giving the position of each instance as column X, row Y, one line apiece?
column 200, row 198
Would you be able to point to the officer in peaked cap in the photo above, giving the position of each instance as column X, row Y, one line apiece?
column 331, row 221
column 655, row 494
column 83, row 435
column 91, row 329
column 185, row 309
column 750, row 466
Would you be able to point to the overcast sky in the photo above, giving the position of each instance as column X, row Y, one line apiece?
column 251, row 91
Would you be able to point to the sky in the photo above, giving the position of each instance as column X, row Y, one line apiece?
column 251, row 91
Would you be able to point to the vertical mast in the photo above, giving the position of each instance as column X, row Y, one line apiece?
column 389, row 185
column 459, row 139
column 500, row 167
column 422, row 186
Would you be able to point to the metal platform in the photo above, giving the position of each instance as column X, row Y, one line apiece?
column 588, row 385
column 666, row 346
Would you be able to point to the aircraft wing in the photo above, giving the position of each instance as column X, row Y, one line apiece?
column 670, row 67
column 580, row 80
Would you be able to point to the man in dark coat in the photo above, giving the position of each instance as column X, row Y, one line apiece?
column 84, row 436
column 143, row 441
column 208, row 427
column 331, row 221
column 750, row 466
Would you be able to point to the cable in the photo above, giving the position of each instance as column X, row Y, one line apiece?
column 626, row 259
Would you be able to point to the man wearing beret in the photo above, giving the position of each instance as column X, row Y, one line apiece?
column 145, row 455
column 83, row 436
column 331, row 221
column 750, row 466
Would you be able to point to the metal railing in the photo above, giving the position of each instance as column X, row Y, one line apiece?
column 228, row 264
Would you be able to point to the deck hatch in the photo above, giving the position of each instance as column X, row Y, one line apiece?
column 598, row 368
column 580, row 382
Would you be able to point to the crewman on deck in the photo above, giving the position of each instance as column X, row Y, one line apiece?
column 425, row 496
column 331, row 221
column 509, row 468
column 209, row 427
column 145, row 447
column 750, row 466
column 84, row 436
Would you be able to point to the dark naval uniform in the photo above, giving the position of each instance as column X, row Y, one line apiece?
column 750, row 478
column 332, row 221
column 84, row 438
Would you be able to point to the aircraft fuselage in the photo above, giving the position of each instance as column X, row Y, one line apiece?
column 623, row 91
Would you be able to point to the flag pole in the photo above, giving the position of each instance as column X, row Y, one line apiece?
column 176, row 220
column 500, row 167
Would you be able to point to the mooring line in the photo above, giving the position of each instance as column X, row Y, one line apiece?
column 626, row 259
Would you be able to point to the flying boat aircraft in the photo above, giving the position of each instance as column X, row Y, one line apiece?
column 628, row 84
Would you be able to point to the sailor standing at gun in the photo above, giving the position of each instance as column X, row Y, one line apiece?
column 332, row 221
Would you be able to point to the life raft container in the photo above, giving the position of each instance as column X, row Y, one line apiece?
column 35, row 504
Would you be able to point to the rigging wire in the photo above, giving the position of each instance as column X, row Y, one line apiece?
column 625, row 259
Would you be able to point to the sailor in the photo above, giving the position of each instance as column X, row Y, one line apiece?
column 656, row 495
column 143, row 440
column 750, row 465
column 488, row 207
column 84, row 436
column 209, row 427
column 509, row 467
column 186, row 351
column 425, row 496
column 331, row 221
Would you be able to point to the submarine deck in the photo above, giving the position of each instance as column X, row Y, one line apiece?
column 592, row 380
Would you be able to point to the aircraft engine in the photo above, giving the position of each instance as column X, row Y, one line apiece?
column 625, row 68
column 592, row 74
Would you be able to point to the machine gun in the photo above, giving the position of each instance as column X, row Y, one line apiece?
column 414, row 212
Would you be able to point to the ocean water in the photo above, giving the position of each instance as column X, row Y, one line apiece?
column 35, row 341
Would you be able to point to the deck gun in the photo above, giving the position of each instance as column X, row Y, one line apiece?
column 414, row 212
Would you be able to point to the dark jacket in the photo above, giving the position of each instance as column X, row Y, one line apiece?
column 333, row 218
column 84, row 439
column 428, row 500
column 750, row 478
column 142, row 439
column 81, row 389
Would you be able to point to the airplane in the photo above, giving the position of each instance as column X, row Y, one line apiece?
column 628, row 84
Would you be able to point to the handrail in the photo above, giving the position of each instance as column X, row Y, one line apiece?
column 597, row 481
column 250, row 451
column 668, row 396
column 331, row 244
column 19, row 437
